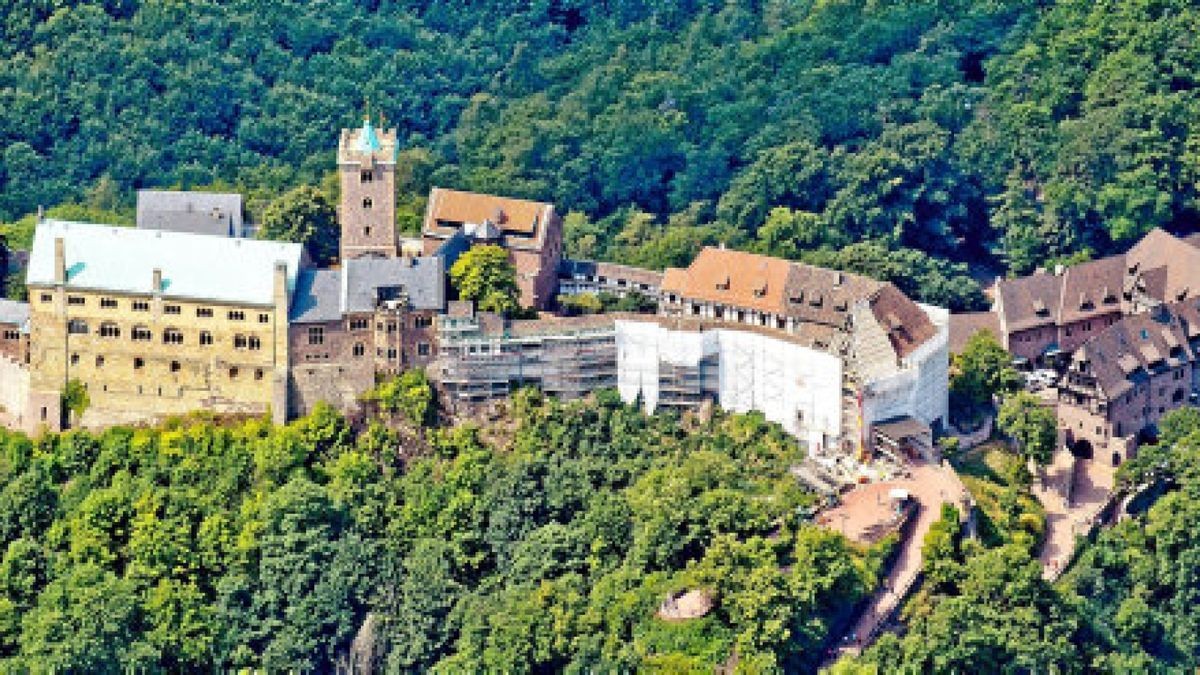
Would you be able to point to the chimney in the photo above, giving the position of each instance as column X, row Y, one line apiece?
column 156, row 283
column 1058, row 270
column 41, row 213
column 60, row 261
column 280, row 294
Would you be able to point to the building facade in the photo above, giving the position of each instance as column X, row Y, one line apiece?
column 141, row 320
column 531, row 233
column 1047, row 314
column 370, row 318
column 1121, row 382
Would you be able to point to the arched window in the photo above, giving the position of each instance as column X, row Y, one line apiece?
column 108, row 329
column 141, row 334
column 172, row 336
column 77, row 327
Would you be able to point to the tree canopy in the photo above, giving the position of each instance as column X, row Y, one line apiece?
column 484, row 275
column 926, row 133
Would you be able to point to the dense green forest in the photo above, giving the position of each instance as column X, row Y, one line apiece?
column 543, row 543
column 903, row 138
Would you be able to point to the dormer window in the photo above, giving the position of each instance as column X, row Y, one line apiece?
column 723, row 284
column 1108, row 296
column 1039, row 308
column 1085, row 302
column 816, row 300
column 760, row 290
column 798, row 298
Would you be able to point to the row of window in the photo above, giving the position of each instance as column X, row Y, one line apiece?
column 144, row 306
column 174, row 366
column 359, row 350
column 170, row 336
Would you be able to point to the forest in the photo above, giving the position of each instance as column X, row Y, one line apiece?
column 936, row 143
column 544, row 542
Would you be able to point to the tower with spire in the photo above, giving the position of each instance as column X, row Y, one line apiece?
column 367, row 166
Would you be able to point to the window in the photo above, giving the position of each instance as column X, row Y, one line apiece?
column 233, row 373
column 141, row 334
column 74, row 359
column 239, row 341
column 423, row 349
column 108, row 303
column 141, row 306
column 99, row 361
column 367, row 231
column 422, row 321
column 46, row 297
column 175, row 367
column 138, row 363
column 204, row 312
column 109, row 329
column 76, row 300
column 360, row 324
column 77, row 327
column 237, row 315
column 367, row 203
column 205, row 338
column 171, row 309
column 366, row 177
column 253, row 343
column 316, row 335
column 264, row 318
column 12, row 335
column 359, row 349
column 391, row 353
column 172, row 336
column 391, row 327
column 258, row 373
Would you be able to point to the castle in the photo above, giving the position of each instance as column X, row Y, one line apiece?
column 186, row 313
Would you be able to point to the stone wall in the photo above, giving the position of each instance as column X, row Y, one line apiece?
column 14, row 392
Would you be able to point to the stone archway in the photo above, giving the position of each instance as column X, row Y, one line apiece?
column 1116, row 458
column 1082, row 449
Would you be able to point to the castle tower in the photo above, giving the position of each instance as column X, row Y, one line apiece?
column 367, row 165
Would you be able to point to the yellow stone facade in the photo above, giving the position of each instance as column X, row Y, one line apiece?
column 143, row 357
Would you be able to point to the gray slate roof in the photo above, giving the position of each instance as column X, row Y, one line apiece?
column 422, row 280
column 327, row 295
column 318, row 297
column 194, row 212
column 198, row 267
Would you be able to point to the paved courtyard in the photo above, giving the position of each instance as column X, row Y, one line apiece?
column 1090, row 484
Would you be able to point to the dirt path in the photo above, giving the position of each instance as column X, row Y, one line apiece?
column 930, row 485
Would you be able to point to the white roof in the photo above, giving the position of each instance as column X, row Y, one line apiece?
column 194, row 266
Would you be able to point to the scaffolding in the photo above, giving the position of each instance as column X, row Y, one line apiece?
column 569, row 362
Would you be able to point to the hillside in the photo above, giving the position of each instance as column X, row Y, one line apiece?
column 544, row 544
column 884, row 137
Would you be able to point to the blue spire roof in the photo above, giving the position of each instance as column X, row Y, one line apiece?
column 367, row 141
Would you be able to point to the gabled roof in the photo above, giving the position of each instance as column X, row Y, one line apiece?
column 209, row 213
column 450, row 210
column 1126, row 351
column 1030, row 301
column 318, row 297
column 733, row 278
column 422, row 281
column 193, row 266
column 812, row 295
